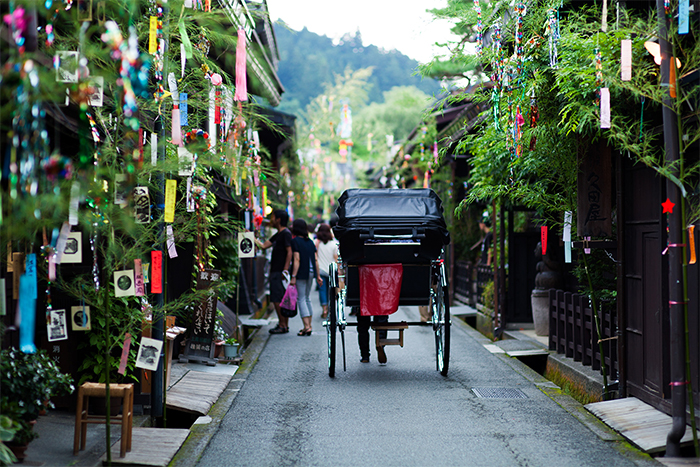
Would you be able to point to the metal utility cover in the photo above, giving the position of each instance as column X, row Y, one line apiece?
column 499, row 393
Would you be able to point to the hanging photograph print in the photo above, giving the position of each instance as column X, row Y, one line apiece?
column 186, row 159
column 57, row 328
column 120, row 191
column 142, row 205
column 66, row 64
column 80, row 318
column 96, row 97
column 246, row 245
column 124, row 283
column 149, row 354
column 73, row 252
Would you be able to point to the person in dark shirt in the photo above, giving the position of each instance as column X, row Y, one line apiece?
column 304, row 271
column 281, row 244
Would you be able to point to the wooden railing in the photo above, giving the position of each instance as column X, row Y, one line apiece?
column 572, row 331
column 463, row 282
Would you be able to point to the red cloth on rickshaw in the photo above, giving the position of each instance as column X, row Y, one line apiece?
column 380, row 288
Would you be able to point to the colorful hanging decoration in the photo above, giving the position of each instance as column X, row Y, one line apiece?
column 534, row 116
column 519, row 13
column 479, row 28
column 554, row 34
column 598, row 75
column 241, row 92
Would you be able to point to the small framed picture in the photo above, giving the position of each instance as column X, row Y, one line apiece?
column 142, row 205
column 149, row 353
column 246, row 245
column 73, row 253
column 57, row 328
column 80, row 318
column 124, row 283
column 67, row 66
column 96, row 97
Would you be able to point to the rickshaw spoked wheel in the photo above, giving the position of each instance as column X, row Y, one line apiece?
column 331, row 328
column 441, row 324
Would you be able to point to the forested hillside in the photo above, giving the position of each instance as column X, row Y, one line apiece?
column 308, row 61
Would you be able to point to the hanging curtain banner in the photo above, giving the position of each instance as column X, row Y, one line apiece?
column 543, row 238
column 170, row 189
column 604, row 108
column 156, row 272
column 626, row 60
column 241, row 93
column 691, row 241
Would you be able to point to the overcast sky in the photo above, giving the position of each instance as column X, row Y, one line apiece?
column 391, row 24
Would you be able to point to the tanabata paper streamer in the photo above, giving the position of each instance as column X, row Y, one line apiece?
column 154, row 148
column 74, row 203
column 241, row 85
column 170, row 193
column 183, row 109
column 604, row 108
column 140, row 288
column 125, row 354
column 156, row 272
column 543, row 237
column 152, row 35
column 683, row 9
column 691, row 241
column 626, row 60
column 170, row 241
column 27, row 312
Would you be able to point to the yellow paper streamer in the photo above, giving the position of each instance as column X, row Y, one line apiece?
column 691, row 240
column 170, row 188
column 264, row 200
column 153, row 35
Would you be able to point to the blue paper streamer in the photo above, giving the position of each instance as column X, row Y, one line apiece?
column 27, row 313
column 183, row 109
column 683, row 7
column 30, row 272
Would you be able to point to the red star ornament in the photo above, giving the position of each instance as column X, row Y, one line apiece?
column 668, row 206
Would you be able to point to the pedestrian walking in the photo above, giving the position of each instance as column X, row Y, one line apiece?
column 327, row 250
column 304, row 271
column 281, row 259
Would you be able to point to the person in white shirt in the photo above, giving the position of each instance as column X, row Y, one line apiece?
column 327, row 250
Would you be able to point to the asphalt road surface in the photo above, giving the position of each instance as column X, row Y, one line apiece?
column 289, row 412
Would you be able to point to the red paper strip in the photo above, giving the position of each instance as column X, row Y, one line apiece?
column 125, row 354
column 156, row 272
column 543, row 235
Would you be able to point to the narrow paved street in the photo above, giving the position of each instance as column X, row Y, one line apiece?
column 289, row 412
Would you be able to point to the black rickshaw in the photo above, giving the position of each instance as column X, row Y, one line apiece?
column 399, row 235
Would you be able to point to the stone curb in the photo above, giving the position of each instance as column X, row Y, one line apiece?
column 201, row 433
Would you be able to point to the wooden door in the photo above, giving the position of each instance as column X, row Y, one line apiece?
column 645, row 279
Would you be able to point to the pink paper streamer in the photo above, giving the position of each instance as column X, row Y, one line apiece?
column 125, row 354
column 176, row 131
column 241, row 86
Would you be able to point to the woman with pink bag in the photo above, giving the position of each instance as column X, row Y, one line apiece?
column 304, row 269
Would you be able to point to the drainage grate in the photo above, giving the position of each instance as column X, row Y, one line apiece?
column 499, row 393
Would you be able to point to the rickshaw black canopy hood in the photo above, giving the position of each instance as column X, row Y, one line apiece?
column 391, row 210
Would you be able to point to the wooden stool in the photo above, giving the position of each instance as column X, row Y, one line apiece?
column 389, row 327
column 87, row 390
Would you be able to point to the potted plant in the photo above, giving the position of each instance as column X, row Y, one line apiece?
column 28, row 383
column 230, row 347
